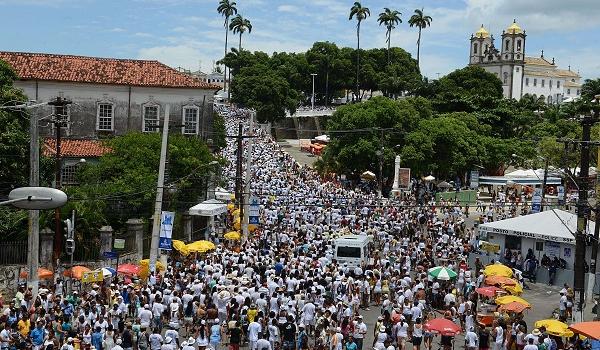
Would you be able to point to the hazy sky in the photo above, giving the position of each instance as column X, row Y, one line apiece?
column 187, row 32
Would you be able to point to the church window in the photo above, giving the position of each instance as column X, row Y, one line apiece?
column 475, row 48
column 543, row 82
column 486, row 47
column 518, row 45
column 526, row 81
column 550, row 84
column 507, row 45
column 578, row 92
column 568, row 91
column 518, row 70
column 572, row 80
column 534, row 82
column 505, row 78
column 549, row 100
column 558, row 84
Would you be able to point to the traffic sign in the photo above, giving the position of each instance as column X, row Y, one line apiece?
column 110, row 255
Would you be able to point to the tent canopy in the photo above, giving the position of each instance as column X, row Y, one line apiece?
column 210, row 207
column 519, row 180
column 222, row 194
column 551, row 225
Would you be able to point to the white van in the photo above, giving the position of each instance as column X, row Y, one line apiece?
column 353, row 250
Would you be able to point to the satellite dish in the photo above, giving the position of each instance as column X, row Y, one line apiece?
column 37, row 198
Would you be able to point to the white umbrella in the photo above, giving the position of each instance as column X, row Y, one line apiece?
column 369, row 175
column 429, row 178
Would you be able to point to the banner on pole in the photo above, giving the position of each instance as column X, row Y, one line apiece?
column 404, row 177
column 167, row 219
column 92, row 276
column 254, row 211
column 536, row 201
column 474, row 179
column 561, row 194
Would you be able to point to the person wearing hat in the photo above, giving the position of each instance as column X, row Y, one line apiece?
column 118, row 344
column 360, row 331
column 168, row 345
column 380, row 338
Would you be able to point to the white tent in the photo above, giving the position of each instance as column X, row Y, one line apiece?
column 210, row 207
column 322, row 138
column 552, row 225
column 222, row 194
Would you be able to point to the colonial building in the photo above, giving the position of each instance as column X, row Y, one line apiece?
column 521, row 74
column 113, row 96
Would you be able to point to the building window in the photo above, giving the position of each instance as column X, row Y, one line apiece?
column 543, row 82
column 568, row 91
column 486, row 47
column 505, row 78
column 518, row 45
column 550, row 84
column 150, row 118
column 104, row 115
column 534, row 82
column 475, row 48
column 507, row 45
column 526, row 81
column 578, row 91
column 558, row 84
column 512, row 242
column 190, row 120
column 67, row 174
column 549, row 100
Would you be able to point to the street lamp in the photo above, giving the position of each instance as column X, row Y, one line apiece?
column 313, row 91
column 36, row 198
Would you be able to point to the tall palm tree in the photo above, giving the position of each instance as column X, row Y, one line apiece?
column 227, row 9
column 361, row 13
column 389, row 18
column 421, row 21
column 240, row 25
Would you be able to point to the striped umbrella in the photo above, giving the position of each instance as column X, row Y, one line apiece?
column 442, row 273
column 108, row 272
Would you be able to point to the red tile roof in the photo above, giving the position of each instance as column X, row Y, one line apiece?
column 75, row 148
column 95, row 70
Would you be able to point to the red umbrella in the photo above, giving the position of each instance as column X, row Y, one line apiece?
column 442, row 326
column 128, row 269
column 489, row 291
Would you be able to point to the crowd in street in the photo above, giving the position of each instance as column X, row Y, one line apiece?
column 284, row 289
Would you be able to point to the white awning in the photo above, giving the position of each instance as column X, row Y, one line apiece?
column 552, row 225
column 222, row 194
column 210, row 207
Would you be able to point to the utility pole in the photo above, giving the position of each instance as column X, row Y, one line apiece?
column 248, row 179
column 593, row 261
column 380, row 178
column 159, row 192
column 33, row 239
column 238, row 170
column 312, row 99
column 582, row 210
column 59, row 120
column 544, row 184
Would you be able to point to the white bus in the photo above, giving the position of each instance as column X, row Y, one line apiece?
column 353, row 250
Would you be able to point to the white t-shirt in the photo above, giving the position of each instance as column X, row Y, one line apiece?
column 471, row 339
column 530, row 347
column 499, row 335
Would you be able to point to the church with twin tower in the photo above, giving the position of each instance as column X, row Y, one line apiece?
column 521, row 74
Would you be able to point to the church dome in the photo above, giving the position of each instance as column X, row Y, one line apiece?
column 482, row 33
column 514, row 28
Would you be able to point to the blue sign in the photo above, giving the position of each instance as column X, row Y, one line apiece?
column 110, row 255
column 167, row 219
column 254, row 213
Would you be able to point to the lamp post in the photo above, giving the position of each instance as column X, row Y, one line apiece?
column 313, row 91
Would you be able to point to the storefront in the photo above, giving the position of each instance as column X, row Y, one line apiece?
column 550, row 232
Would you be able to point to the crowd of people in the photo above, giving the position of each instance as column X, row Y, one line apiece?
column 284, row 289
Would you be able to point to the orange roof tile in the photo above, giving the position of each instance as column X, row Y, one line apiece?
column 95, row 70
column 74, row 148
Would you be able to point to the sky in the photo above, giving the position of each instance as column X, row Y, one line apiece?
column 190, row 33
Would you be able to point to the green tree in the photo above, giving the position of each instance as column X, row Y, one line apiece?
column 122, row 183
column 467, row 89
column 361, row 13
column 226, row 9
column 389, row 18
column 590, row 88
column 239, row 25
column 265, row 91
column 219, row 132
column 421, row 21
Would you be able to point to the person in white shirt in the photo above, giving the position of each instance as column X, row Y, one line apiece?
column 498, row 333
column 117, row 345
column 168, row 345
column 254, row 329
column 530, row 345
column 263, row 344
column 145, row 316
column 359, row 333
column 471, row 340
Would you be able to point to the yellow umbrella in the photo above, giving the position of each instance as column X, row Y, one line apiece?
column 145, row 264
column 252, row 228
column 200, row 246
column 514, row 290
column 230, row 206
column 233, row 235
column 555, row 327
column 236, row 213
column 181, row 247
column 498, row 270
column 510, row 298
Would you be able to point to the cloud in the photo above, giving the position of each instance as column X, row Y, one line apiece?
column 287, row 8
column 178, row 29
column 143, row 35
column 176, row 56
column 117, row 30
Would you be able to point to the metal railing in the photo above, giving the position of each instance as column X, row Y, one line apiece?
column 13, row 252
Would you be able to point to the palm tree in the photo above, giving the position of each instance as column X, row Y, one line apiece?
column 421, row 21
column 361, row 13
column 227, row 9
column 389, row 18
column 239, row 25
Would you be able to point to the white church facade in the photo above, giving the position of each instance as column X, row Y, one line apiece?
column 521, row 74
